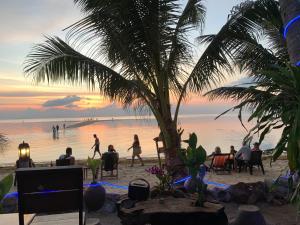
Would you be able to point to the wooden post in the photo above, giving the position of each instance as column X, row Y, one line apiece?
column 290, row 13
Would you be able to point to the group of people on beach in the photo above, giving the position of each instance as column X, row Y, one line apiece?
column 55, row 130
column 136, row 149
column 240, row 156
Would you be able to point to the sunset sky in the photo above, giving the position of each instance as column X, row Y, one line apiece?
column 23, row 24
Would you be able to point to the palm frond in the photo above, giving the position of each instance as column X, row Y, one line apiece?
column 56, row 61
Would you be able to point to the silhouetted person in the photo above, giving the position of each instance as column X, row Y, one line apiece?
column 68, row 156
column 96, row 146
column 57, row 129
column 136, row 150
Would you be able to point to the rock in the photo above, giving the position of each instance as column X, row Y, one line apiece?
column 178, row 193
column 110, row 203
column 239, row 193
column 220, row 194
column 276, row 202
column 248, row 192
column 10, row 204
column 269, row 197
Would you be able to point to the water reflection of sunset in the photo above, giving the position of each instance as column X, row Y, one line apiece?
column 211, row 133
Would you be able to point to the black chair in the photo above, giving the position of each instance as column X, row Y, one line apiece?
column 256, row 160
column 63, row 162
column 50, row 190
column 110, row 162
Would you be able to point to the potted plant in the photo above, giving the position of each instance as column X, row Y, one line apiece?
column 194, row 158
column 94, row 196
column 164, row 185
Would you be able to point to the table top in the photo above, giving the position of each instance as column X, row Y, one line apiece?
column 172, row 205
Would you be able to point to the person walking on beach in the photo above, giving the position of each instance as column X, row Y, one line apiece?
column 57, row 128
column 96, row 146
column 54, row 132
column 136, row 150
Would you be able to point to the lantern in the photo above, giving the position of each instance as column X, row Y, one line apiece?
column 24, row 150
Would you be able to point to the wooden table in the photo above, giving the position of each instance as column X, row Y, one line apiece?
column 173, row 211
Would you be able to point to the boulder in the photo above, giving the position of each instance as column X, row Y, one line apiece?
column 219, row 194
column 110, row 203
column 239, row 192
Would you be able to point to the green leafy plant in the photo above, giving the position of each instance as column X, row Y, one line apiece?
column 94, row 165
column 5, row 185
column 194, row 158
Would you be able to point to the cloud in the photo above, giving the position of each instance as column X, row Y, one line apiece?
column 66, row 101
column 244, row 82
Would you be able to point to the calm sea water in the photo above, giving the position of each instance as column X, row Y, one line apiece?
column 119, row 131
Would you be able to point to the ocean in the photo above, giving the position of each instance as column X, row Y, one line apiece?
column 119, row 132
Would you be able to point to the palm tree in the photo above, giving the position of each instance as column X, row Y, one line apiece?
column 138, row 53
column 253, row 39
column 290, row 13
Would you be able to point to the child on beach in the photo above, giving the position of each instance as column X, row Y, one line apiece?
column 136, row 150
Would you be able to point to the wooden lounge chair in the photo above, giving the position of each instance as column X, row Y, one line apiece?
column 50, row 190
column 219, row 162
column 110, row 163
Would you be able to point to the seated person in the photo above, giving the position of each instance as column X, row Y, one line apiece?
column 110, row 158
column 217, row 151
column 68, row 156
column 230, row 161
column 243, row 155
column 232, row 150
column 111, row 149
column 255, row 147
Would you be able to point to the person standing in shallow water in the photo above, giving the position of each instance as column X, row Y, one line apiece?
column 96, row 146
column 136, row 150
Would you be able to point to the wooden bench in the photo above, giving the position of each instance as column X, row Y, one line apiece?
column 50, row 190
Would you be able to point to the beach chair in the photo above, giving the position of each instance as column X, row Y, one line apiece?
column 110, row 163
column 219, row 162
column 63, row 162
column 255, row 160
column 50, row 190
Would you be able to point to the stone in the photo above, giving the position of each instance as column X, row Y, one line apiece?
column 220, row 194
column 110, row 203
column 178, row 193
column 239, row 193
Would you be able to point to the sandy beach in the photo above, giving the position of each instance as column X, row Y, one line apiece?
column 127, row 174
column 273, row 214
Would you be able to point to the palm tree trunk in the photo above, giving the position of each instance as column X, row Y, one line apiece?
column 290, row 10
column 172, row 144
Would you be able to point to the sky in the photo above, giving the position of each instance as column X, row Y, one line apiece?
column 25, row 23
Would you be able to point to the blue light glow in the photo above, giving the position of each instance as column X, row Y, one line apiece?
column 290, row 23
column 124, row 187
column 298, row 63
column 225, row 186
column 104, row 183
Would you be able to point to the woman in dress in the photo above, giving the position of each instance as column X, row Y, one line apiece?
column 136, row 150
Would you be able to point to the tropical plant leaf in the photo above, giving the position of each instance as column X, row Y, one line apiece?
column 5, row 185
